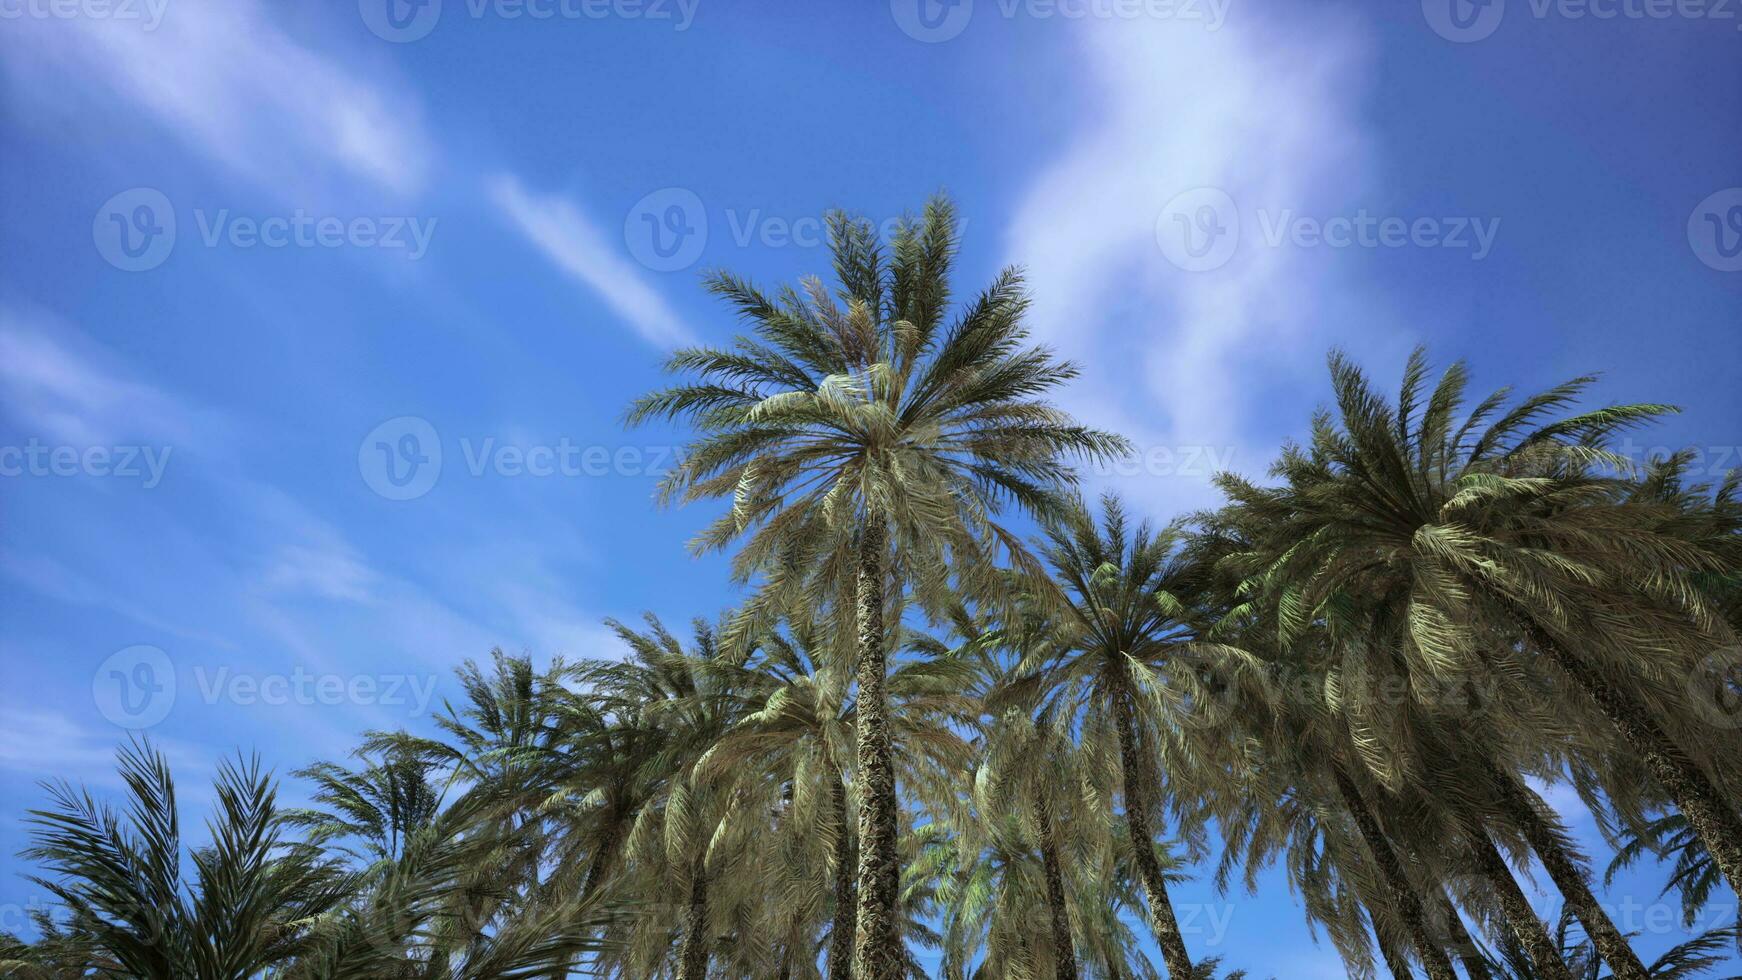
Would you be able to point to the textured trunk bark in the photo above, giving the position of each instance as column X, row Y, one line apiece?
column 1064, row 951
column 1716, row 822
column 693, row 955
column 841, row 933
column 1568, row 877
column 1137, row 810
column 602, row 860
column 1545, row 954
column 1404, row 899
column 877, row 954
column 1469, row 954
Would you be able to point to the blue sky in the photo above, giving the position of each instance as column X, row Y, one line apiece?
column 478, row 229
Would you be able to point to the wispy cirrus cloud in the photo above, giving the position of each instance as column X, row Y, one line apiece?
column 1193, row 363
column 61, row 386
column 233, row 85
column 577, row 246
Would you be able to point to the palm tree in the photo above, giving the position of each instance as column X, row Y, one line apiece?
column 380, row 805
column 1099, row 663
column 449, row 906
column 1683, row 961
column 864, row 441
column 248, row 909
column 691, row 832
column 797, row 719
column 1500, row 544
column 796, row 725
column 1013, row 888
column 1693, row 875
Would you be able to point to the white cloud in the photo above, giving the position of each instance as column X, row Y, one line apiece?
column 1185, row 360
column 51, row 745
column 233, row 85
column 327, row 569
column 577, row 246
column 62, row 387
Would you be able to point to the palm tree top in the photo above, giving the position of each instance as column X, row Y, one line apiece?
column 866, row 402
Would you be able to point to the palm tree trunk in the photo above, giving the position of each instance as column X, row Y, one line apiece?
column 1064, row 952
column 877, row 954
column 1716, row 822
column 1545, row 954
column 1137, row 810
column 841, row 934
column 693, row 955
column 1403, row 895
column 1469, row 954
column 607, row 853
column 1568, row 877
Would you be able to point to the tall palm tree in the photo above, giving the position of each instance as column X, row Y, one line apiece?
column 692, row 831
column 796, row 724
column 1099, row 666
column 864, row 439
column 1507, row 541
